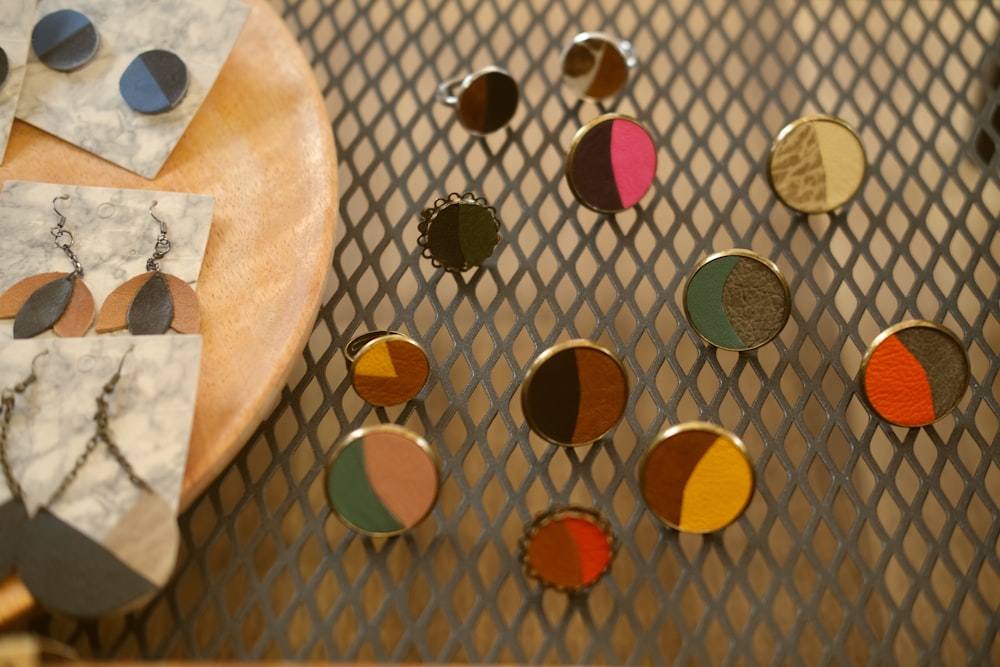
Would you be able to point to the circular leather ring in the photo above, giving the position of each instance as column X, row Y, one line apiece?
column 569, row 549
column 386, row 367
column 816, row 164
column 914, row 373
column 696, row 477
column 737, row 300
column 575, row 393
column 382, row 480
column 611, row 163
column 485, row 101
column 595, row 66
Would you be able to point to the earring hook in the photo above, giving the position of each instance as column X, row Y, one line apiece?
column 162, row 246
column 56, row 209
column 163, row 225
column 64, row 238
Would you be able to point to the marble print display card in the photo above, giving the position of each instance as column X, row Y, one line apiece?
column 97, row 446
column 113, row 235
column 86, row 106
column 15, row 29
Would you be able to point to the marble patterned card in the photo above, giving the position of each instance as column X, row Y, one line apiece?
column 85, row 106
column 113, row 235
column 15, row 35
column 151, row 412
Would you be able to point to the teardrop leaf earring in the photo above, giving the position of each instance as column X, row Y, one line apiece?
column 154, row 301
column 57, row 301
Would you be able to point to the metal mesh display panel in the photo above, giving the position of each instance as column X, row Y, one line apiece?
column 864, row 543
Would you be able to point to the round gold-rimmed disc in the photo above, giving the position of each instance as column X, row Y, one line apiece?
column 575, row 393
column 487, row 100
column 568, row 549
column 595, row 66
column 459, row 232
column 737, row 300
column 914, row 373
column 816, row 164
column 696, row 477
column 611, row 163
column 382, row 480
column 387, row 368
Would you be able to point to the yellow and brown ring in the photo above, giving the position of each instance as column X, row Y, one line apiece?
column 816, row 164
column 387, row 368
column 568, row 549
column 737, row 300
column 575, row 393
column 382, row 480
column 696, row 477
column 914, row 373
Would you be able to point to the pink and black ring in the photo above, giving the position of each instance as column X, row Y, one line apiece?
column 611, row 163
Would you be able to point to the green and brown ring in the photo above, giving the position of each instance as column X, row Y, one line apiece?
column 737, row 300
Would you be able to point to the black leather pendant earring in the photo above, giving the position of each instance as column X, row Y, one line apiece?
column 153, row 302
column 57, row 301
column 67, row 570
column 13, row 513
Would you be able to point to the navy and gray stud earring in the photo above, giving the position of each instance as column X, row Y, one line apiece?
column 4, row 68
column 154, row 82
column 65, row 40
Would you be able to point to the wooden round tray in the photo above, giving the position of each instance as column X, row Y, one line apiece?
column 262, row 144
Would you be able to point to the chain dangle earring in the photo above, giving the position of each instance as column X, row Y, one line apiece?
column 68, row 571
column 57, row 301
column 13, row 513
column 154, row 301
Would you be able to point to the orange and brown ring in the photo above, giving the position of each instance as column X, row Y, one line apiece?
column 389, row 370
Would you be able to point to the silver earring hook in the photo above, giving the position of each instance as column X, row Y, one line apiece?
column 162, row 246
column 163, row 225
column 56, row 209
column 63, row 238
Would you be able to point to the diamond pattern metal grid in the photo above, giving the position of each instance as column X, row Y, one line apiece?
column 864, row 544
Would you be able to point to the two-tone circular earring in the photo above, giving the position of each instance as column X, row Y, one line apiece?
column 575, row 393
column 696, row 477
column 569, row 549
column 387, row 367
column 816, row 164
column 596, row 67
column 4, row 68
column 57, row 301
column 737, row 300
column 154, row 82
column 485, row 101
column 382, row 480
column 152, row 302
column 459, row 232
column 65, row 40
column 611, row 163
column 915, row 373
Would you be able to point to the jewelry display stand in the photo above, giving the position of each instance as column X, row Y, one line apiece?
column 863, row 543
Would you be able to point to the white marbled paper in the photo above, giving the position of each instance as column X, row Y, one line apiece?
column 16, row 21
column 151, row 412
column 85, row 107
column 112, row 230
